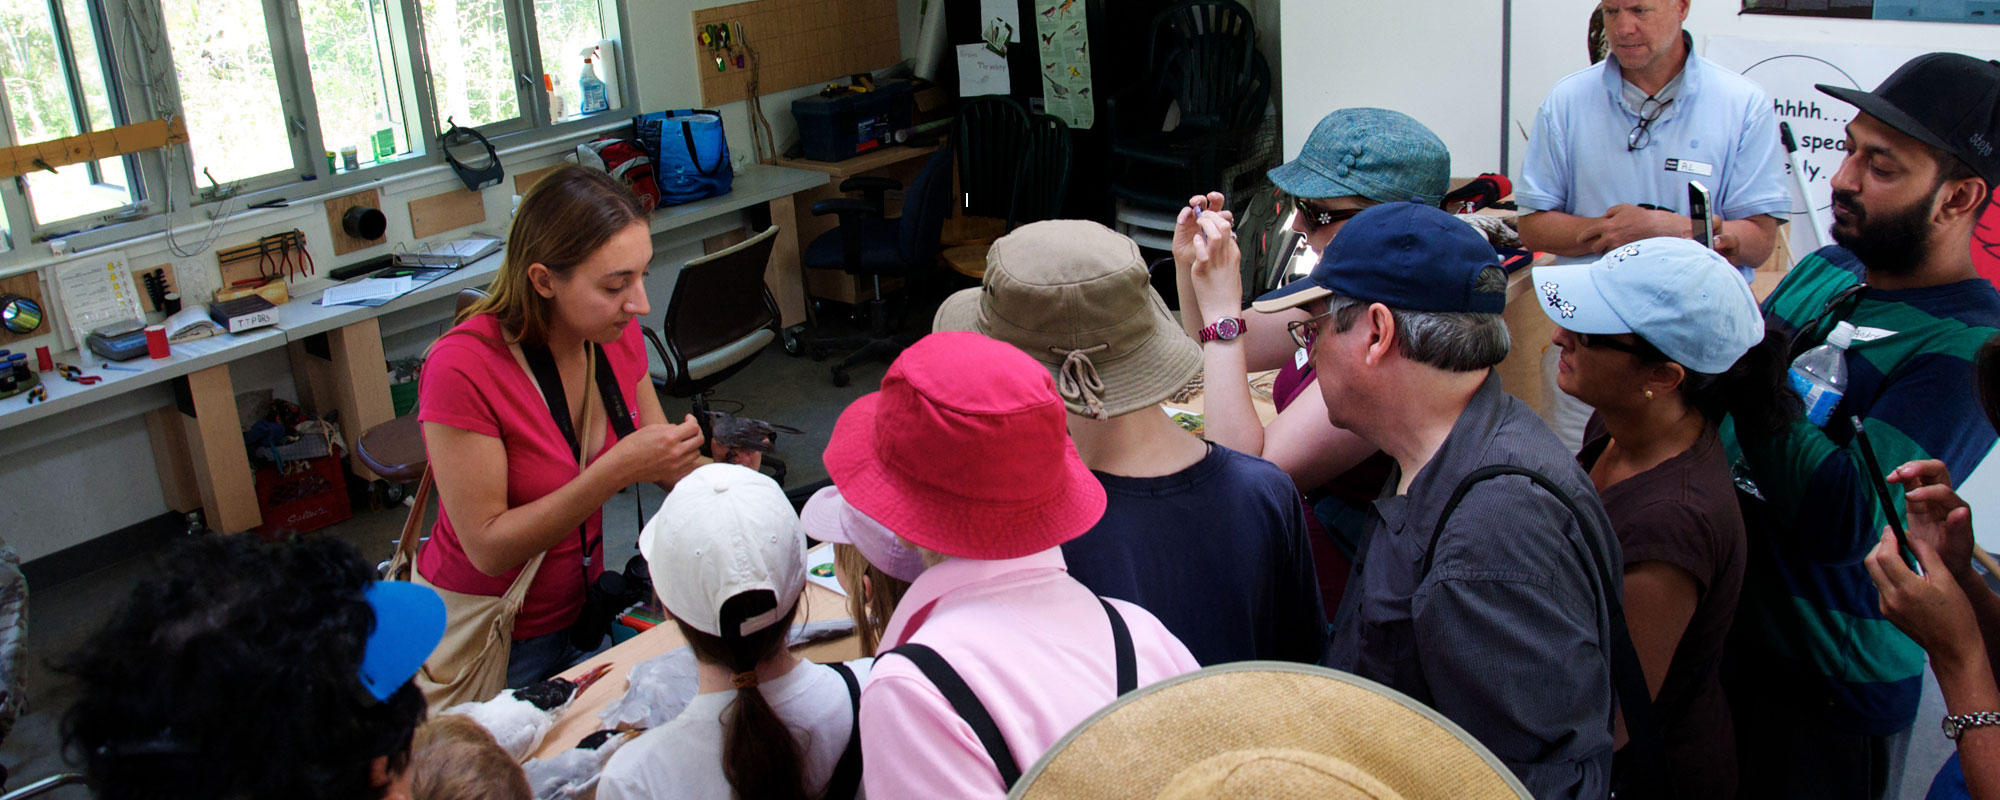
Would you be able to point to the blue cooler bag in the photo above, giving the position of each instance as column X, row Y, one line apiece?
column 690, row 155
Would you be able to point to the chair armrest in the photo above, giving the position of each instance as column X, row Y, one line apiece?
column 665, row 354
column 870, row 183
column 872, row 188
column 847, row 208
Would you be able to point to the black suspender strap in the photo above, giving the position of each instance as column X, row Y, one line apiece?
column 542, row 364
column 1121, row 644
column 846, row 780
column 1628, row 677
column 967, row 704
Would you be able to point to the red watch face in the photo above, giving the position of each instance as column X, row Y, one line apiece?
column 1227, row 328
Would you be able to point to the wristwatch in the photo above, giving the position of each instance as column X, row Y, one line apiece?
column 1223, row 329
column 1955, row 724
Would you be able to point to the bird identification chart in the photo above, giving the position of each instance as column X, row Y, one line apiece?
column 1063, row 36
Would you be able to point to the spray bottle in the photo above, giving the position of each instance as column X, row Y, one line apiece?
column 592, row 87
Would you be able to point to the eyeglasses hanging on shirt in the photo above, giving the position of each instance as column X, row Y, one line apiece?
column 1642, row 133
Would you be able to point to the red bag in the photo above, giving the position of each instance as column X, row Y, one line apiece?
column 624, row 160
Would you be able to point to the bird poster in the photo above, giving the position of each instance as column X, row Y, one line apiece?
column 1062, row 35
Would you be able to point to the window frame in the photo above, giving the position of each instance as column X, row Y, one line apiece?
column 22, row 226
column 171, row 184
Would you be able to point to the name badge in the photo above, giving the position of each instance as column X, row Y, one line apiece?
column 1701, row 168
column 1299, row 359
column 1867, row 334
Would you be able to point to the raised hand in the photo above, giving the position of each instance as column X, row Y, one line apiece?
column 1936, row 515
column 1930, row 608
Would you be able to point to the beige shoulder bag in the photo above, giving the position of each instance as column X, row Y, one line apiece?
column 470, row 662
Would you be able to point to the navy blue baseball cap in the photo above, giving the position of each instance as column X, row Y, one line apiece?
column 1407, row 256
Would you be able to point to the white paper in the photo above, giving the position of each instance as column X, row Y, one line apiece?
column 96, row 292
column 980, row 71
column 364, row 289
column 819, row 568
column 999, row 20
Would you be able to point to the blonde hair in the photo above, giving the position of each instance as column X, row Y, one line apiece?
column 454, row 758
column 871, row 613
column 564, row 218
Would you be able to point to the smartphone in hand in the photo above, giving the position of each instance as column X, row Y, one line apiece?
column 1698, row 212
column 1882, row 495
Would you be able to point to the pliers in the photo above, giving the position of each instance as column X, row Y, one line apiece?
column 75, row 375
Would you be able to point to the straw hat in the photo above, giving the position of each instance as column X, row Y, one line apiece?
column 1267, row 729
column 1076, row 296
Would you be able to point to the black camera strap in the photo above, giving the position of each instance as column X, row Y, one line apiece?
column 542, row 364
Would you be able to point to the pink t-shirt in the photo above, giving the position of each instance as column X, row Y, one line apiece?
column 474, row 385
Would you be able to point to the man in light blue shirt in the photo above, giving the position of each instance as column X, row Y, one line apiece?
column 1636, row 128
column 1616, row 144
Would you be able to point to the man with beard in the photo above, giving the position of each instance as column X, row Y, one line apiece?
column 1824, row 688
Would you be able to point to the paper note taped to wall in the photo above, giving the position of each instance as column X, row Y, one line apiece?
column 980, row 71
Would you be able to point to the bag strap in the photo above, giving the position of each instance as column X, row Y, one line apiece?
column 846, row 780
column 1628, row 677
column 967, row 704
column 687, row 138
column 1121, row 644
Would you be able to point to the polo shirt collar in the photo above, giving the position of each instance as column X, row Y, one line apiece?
column 951, row 575
column 1690, row 78
column 1463, row 450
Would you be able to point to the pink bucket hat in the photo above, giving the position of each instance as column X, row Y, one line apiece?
column 965, row 451
column 828, row 518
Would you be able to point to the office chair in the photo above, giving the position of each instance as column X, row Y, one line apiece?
column 866, row 244
column 395, row 449
column 720, row 317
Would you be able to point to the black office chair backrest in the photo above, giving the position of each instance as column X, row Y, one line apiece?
column 991, row 137
column 924, row 207
column 720, row 298
column 1040, row 188
column 1210, row 19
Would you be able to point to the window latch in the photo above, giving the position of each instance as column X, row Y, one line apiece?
column 298, row 126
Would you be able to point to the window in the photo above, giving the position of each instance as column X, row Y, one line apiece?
column 56, row 85
column 266, row 89
column 564, row 29
column 358, row 85
column 471, row 60
column 228, row 89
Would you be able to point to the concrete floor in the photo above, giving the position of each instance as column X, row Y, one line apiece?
column 776, row 387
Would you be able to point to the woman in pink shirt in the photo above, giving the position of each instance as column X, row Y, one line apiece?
column 507, row 475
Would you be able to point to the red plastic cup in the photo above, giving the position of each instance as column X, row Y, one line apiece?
column 43, row 361
column 156, row 341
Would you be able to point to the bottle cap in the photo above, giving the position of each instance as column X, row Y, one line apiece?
column 1842, row 335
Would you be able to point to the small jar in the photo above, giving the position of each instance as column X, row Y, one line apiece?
column 18, row 367
column 8, row 383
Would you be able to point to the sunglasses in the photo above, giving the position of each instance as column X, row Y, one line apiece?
column 1319, row 218
column 1586, row 340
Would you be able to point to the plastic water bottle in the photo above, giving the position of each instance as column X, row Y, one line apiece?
column 593, row 90
column 1820, row 375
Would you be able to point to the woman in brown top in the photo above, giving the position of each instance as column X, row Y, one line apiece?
column 1662, row 337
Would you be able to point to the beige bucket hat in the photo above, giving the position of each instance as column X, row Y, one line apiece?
column 1076, row 296
column 1267, row 729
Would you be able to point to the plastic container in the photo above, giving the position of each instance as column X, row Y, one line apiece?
column 842, row 127
column 1820, row 374
column 591, row 87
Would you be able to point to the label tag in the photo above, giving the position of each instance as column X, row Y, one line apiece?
column 1866, row 334
column 1299, row 359
column 1691, row 167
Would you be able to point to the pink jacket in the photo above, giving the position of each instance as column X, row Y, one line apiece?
column 1030, row 641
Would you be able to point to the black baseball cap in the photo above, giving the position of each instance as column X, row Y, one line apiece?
column 1949, row 101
